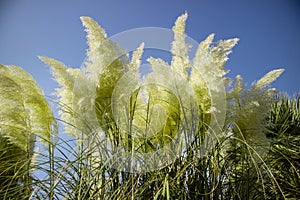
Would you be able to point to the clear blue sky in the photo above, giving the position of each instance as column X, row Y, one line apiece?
column 269, row 32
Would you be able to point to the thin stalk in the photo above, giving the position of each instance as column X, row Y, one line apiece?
column 51, row 170
column 27, row 176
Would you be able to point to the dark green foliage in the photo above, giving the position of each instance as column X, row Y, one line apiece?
column 283, row 125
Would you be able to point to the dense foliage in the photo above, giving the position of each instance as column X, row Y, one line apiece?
column 255, row 156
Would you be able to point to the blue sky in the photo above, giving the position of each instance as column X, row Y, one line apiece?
column 269, row 32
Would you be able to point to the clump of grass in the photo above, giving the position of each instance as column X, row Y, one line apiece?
column 249, row 156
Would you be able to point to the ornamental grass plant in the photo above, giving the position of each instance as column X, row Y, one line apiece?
column 124, row 138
